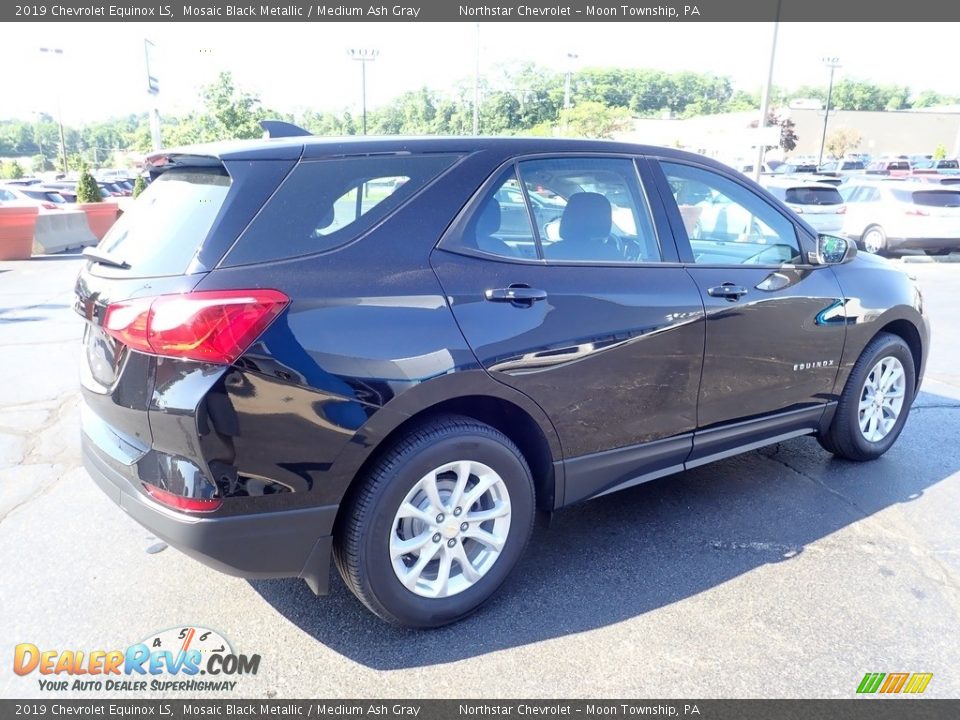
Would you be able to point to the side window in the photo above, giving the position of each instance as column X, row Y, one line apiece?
column 727, row 224
column 501, row 224
column 324, row 204
column 7, row 196
column 590, row 210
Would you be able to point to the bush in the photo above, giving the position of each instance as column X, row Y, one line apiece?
column 139, row 186
column 87, row 189
column 11, row 170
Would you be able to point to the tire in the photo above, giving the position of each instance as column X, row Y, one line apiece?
column 372, row 529
column 846, row 436
column 874, row 240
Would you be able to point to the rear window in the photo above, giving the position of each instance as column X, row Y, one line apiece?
column 930, row 198
column 948, row 165
column 324, row 204
column 813, row 196
column 160, row 232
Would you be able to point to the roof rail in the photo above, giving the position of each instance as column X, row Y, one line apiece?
column 281, row 129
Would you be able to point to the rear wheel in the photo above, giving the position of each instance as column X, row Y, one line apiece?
column 438, row 523
column 874, row 240
column 875, row 403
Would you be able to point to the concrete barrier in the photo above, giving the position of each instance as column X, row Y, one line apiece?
column 61, row 230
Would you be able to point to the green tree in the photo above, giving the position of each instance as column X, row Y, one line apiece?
column 229, row 111
column 594, row 120
column 87, row 189
column 11, row 170
column 139, row 185
column 940, row 152
column 841, row 140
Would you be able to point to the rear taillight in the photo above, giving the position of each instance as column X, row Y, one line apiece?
column 214, row 326
column 48, row 206
column 842, row 210
column 179, row 502
column 797, row 209
column 916, row 211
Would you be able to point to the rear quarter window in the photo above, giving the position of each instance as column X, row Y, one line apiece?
column 325, row 204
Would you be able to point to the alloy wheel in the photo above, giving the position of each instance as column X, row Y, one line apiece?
column 881, row 399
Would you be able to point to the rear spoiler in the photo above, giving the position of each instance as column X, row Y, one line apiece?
column 281, row 129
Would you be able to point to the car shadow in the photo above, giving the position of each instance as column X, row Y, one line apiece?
column 625, row 554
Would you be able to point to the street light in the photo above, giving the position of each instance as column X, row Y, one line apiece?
column 476, row 88
column 363, row 57
column 63, row 142
column 833, row 63
column 571, row 59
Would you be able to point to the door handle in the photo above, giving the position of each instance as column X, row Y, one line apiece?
column 517, row 294
column 728, row 291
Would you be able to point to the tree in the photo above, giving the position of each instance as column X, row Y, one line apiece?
column 594, row 120
column 139, row 185
column 940, row 152
column 87, row 189
column 11, row 170
column 229, row 111
column 841, row 140
column 788, row 137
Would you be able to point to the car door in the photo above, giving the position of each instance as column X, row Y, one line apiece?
column 775, row 325
column 590, row 314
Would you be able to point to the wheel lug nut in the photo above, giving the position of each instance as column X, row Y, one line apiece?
column 463, row 527
column 440, row 517
column 457, row 512
column 436, row 537
column 451, row 542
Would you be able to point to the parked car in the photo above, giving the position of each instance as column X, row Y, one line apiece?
column 68, row 189
column 820, row 204
column 885, row 217
column 27, row 195
column 935, row 166
column 789, row 168
column 274, row 371
column 842, row 168
column 894, row 168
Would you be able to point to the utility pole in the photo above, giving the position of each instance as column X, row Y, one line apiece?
column 363, row 57
column 765, row 99
column 63, row 142
column 153, row 88
column 833, row 63
column 476, row 88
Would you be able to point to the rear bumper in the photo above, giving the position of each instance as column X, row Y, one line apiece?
column 276, row 544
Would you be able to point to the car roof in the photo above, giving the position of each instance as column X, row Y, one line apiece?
column 796, row 183
column 295, row 148
column 898, row 184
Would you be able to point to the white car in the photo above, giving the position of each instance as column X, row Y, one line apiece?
column 43, row 199
column 820, row 204
column 887, row 216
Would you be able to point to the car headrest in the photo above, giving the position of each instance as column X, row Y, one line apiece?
column 587, row 216
column 488, row 219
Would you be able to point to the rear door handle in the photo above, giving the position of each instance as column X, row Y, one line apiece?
column 517, row 294
column 728, row 291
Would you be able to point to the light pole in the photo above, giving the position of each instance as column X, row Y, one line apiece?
column 833, row 63
column 571, row 59
column 476, row 88
column 63, row 141
column 765, row 100
column 363, row 57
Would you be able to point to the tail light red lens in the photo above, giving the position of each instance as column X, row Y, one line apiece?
column 178, row 502
column 215, row 326
column 842, row 210
column 797, row 209
column 916, row 211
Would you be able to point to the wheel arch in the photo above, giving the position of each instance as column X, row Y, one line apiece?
column 908, row 332
column 472, row 394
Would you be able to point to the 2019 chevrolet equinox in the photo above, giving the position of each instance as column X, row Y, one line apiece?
column 393, row 351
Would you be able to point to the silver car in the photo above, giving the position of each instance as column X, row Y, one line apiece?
column 887, row 216
column 820, row 204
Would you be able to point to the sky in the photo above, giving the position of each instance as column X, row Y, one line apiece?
column 293, row 66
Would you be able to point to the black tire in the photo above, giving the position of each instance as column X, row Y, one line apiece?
column 362, row 538
column 881, row 245
column 844, row 438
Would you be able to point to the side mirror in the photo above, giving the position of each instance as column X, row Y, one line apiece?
column 833, row 250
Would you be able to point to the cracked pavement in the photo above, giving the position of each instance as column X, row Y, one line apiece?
column 779, row 573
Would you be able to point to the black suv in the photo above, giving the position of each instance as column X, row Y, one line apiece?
column 393, row 351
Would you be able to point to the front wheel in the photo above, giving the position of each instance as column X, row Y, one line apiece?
column 437, row 524
column 875, row 402
column 875, row 240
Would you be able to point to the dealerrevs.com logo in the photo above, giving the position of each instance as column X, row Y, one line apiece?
column 188, row 659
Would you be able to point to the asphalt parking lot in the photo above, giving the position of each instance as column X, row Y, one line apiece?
column 780, row 573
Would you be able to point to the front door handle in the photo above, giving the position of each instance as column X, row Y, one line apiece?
column 728, row 291
column 517, row 294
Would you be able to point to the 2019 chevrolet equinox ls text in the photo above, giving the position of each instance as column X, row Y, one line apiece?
column 392, row 352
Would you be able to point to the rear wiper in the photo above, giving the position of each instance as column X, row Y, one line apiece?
column 104, row 259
